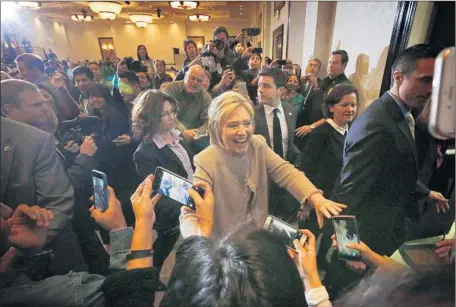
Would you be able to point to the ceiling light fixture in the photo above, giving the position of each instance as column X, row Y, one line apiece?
column 30, row 4
column 184, row 5
column 106, row 10
column 107, row 15
column 199, row 17
column 82, row 17
column 142, row 24
column 140, row 18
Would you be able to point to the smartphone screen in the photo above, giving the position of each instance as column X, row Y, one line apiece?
column 284, row 231
column 100, row 190
column 172, row 186
column 346, row 231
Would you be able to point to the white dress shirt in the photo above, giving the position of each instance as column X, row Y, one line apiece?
column 341, row 130
column 283, row 125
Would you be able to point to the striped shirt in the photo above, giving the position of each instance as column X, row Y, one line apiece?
column 178, row 150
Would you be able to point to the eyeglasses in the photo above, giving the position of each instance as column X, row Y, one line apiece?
column 168, row 114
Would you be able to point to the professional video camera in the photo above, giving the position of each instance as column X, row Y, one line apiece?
column 76, row 129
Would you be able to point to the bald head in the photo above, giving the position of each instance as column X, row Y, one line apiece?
column 193, row 79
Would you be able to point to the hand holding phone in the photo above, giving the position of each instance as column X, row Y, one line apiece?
column 346, row 231
column 100, row 190
column 175, row 187
column 287, row 233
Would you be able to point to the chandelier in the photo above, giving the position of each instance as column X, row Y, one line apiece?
column 199, row 17
column 141, row 20
column 30, row 4
column 184, row 5
column 82, row 17
column 106, row 10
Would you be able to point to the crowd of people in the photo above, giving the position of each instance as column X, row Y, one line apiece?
column 261, row 137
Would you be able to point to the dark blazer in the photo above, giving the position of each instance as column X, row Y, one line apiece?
column 261, row 127
column 321, row 158
column 147, row 158
column 32, row 174
column 379, row 176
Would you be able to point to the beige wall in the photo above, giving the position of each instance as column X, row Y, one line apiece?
column 364, row 30
column 420, row 24
column 79, row 41
column 274, row 22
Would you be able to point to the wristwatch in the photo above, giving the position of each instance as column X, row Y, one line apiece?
column 137, row 254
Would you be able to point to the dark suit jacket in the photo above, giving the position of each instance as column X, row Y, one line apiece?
column 147, row 158
column 261, row 127
column 379, row 177
column 32, row 173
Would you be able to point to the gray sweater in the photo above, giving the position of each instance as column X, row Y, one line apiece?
column 240, row 185
column 192, row 108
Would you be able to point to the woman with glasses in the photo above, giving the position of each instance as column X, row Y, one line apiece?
column 154, row 124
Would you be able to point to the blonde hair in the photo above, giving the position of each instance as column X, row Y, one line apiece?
column 220, row 108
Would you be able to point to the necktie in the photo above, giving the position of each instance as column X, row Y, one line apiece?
column 277, row 134
column 411, row 123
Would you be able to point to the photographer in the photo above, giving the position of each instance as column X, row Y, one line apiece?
column 216, row 55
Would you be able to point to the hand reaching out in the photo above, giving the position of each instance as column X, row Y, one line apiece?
column 441, row 202
column 143, row 205
column 28, row 226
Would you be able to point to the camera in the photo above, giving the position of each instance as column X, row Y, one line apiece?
column 219, row 44
column 282, row 62
column 252, row 31
column 132, row 64
column 76, row 129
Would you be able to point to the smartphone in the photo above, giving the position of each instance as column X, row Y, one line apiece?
column 441, row 119
column 346, row 231
column 175, row 187
column 257, row 50
column 253, row 31
column 282, row 62
column 284, row 231
column 100, row 190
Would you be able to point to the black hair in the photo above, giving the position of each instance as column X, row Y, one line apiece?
column 101, row 90
column 280, row 79
column 189, row 42
column 137, row 53
column 31, row 61
column 83, row 70
column 130, row 76
column 94, row 62
column 220, row 29
column 343, row 56
column 335, row 95
column 257, row 54
column 406, row 60
column 267, row 60
column 245, row 269
column 404, row 288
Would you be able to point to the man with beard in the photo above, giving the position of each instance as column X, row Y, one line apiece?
column 379, row 178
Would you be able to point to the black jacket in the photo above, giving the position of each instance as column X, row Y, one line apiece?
column 379, row 176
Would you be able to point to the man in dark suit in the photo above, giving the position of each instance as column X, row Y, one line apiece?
column 277, row 122
column 32, row 174
column 379, row 179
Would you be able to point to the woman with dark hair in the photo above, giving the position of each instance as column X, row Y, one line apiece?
column 292, row 96
column 145, row 60
column 321, row 158
column 154, row 124
column 114, row 124
column 191, row 50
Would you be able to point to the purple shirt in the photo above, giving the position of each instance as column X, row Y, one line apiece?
column 178, row 150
